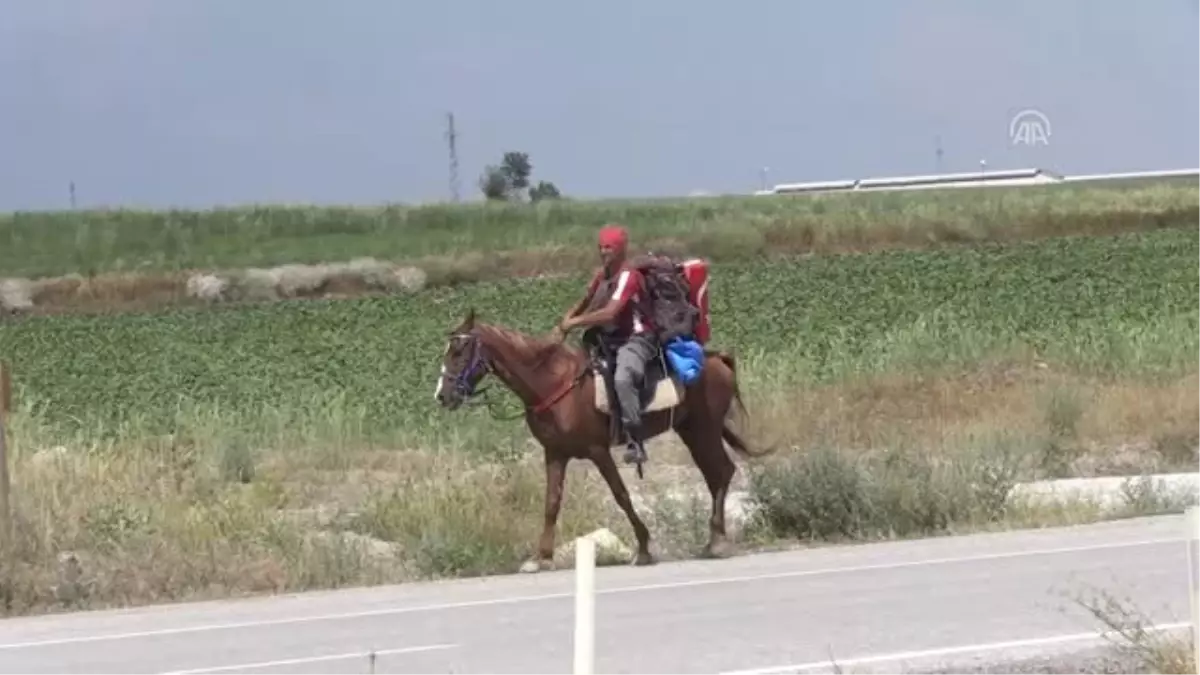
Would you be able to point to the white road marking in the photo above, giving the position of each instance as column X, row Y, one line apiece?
column 312, row 659
column 517, row 599
column 947, row 651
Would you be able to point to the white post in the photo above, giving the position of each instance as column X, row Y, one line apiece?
column 585, row 606
column 1192, row 523
column 6, row 529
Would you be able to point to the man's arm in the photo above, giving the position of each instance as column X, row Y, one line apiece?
column 628, row 284
column 578, row 306
column 585, row 300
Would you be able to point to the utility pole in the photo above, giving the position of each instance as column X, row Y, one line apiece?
column 71, row 190
column 938, row 154
column 452, row 142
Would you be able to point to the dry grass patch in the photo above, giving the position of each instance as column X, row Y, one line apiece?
column 920, row 453
column 178, row 518
column 120, row 289
column 1071, row 424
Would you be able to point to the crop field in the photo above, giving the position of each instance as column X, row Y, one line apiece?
column 1097, row 304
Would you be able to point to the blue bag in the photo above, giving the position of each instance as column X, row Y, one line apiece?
column 686, row 358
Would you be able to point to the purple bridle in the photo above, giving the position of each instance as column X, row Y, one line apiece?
column 462, row 381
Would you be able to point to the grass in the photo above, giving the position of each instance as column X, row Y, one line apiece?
column 1135, row 642
column 197, row 454
column 217, row 510
column 103, row 260
column 213, row 513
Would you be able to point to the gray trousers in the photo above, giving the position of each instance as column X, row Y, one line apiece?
column 630, row 375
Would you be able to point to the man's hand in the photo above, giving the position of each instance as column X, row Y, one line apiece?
column 561, row 330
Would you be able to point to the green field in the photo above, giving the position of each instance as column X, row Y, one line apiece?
column 1125, row 304
column 35, row 244
column 203, row 453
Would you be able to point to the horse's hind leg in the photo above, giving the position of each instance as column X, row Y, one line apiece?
column 602, row 457
column 704, row 443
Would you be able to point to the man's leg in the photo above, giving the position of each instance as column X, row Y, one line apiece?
column 632, row 358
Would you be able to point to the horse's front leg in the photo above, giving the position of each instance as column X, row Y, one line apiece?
column 602, row 458
column 556, row 473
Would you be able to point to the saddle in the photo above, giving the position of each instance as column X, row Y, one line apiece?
column 660, row 390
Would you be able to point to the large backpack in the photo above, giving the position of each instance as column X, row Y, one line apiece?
column 668, row 305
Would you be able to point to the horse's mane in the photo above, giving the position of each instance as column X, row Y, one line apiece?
column 532, row 344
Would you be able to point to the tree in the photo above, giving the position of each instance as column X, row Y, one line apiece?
column 494, row 183
column 544, row 190
column 516, row 168
column 510, row 180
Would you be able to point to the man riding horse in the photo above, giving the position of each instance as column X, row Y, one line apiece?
column 625, row 319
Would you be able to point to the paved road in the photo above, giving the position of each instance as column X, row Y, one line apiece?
column 751, row 612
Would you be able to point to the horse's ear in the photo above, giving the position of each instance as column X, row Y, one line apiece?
column 469, row 322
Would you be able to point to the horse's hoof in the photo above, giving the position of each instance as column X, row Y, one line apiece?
column 534, row 566
column 717, row 550
column 644, row 559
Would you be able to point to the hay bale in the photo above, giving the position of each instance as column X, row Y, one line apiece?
column 296, row 279
column 383, row 275
column 208, row 287
column 374, row 273
column 299, row 280
column 255, row 284
column 16, row 294
column 411, row 279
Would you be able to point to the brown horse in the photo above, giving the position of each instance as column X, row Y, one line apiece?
column 557, row 385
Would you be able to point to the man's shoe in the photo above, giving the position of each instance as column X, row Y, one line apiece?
column 635, row 451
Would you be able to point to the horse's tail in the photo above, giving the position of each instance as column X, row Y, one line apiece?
column 730, row 436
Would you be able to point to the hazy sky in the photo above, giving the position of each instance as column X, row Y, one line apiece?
column 202, row 102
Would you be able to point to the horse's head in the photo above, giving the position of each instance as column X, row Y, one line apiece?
column 464, row 364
